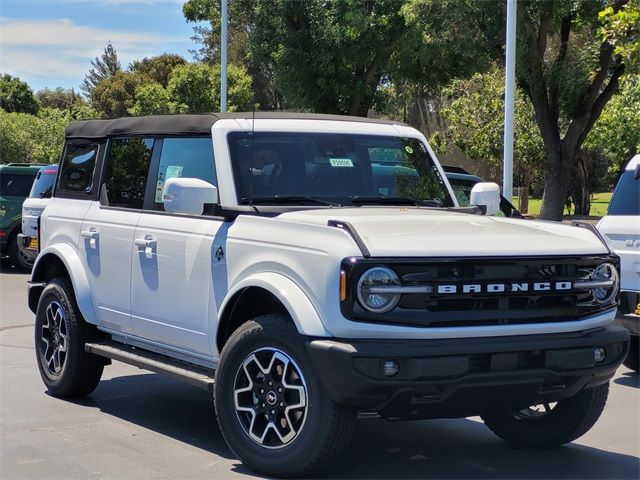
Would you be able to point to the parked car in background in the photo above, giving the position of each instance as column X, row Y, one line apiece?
column 15, row 183
column 32, row 208
column 621, row 230
column 462, row 182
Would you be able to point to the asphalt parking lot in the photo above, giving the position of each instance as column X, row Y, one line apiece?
column 141, row 425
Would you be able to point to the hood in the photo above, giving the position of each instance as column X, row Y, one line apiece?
column 414, row 232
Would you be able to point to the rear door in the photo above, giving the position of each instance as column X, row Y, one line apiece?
column 106, row 242
column 174, row 257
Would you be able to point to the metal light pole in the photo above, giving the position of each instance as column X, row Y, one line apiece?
column 224, row 33
column 509, row 100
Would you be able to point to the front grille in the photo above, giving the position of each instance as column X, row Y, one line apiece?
column 448, row 304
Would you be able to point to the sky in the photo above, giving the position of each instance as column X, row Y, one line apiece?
column 50, row 43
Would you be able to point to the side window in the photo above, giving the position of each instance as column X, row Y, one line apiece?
column 127, row 168
column 185, row 157
column 15, row 185
column 76, row 171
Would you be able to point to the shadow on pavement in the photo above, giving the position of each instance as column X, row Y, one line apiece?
column 165, row 406
column 464, row 448
column 628, row 379
column 453, row 448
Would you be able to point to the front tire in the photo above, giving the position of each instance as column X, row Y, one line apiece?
column 272, row 409
column 548, row 426
column 60, row 335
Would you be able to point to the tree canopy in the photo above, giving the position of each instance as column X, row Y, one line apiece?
column 157, row 69
column 103, row 67
column 114, row 96
column 16, row 96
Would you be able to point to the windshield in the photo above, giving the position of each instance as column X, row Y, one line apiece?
column 15, row 185
column 43, row 186
column 626, row 197
column 328, row 168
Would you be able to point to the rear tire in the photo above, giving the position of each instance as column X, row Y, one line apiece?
column 264, row 357
column 19, row 260
column 568, row 420
column 633, row 358
column 60, row 335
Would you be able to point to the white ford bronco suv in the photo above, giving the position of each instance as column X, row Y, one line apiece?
column 310, row 268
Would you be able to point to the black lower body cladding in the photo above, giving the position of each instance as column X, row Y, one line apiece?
column 466, row 376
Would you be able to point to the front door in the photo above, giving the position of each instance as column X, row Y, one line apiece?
column 174, row 257
column 172, row 280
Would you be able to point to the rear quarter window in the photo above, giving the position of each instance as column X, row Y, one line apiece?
column 78, row 165
column 626, row 196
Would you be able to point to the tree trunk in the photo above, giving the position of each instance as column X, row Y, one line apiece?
column 581, row 190
column 523, row 199
column 556, row 184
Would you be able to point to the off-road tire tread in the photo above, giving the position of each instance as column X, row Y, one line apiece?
column 87, row 368
column 340, row 419
column 549, row 435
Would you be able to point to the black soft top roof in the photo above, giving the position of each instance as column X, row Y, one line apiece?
column 185, row 124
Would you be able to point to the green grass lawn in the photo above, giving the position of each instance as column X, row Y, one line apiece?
column 599, row 204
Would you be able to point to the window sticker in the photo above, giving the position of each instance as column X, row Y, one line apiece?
column 341, row 162
column 173, row 171
column 408, row 149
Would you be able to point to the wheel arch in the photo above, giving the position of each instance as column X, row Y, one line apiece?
column 262, row 294
column 59, row 261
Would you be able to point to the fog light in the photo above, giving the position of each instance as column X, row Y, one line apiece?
column 599, row 354
column 391, row 368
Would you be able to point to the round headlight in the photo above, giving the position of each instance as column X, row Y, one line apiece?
column 375, row 299
column 602, row 273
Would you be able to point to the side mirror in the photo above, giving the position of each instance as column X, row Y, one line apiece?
column 188, row 195
column 486, row 195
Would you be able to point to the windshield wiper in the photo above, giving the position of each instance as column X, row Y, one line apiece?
column 361, row 200
column 280, row 199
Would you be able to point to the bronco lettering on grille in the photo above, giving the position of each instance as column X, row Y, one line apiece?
column 504, row 287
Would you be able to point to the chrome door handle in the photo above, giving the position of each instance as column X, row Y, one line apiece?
column 89, row 234
column 92, row 235
column 145, row 242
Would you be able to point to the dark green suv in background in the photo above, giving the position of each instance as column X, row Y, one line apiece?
column 15, row 183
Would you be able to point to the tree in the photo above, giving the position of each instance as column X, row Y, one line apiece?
column 152, row 99
column 16, row 95
column 616, row 133
column 32, row 138
column 103, row 67
column 325, row 56
column 475, row 125
column 157, row 69
column 114, row 96
column 571, row 57
column 259, row 68
column 59, row 98
column 570, row 73
column 194, row 88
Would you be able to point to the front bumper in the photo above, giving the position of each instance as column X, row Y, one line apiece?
column 464, row 377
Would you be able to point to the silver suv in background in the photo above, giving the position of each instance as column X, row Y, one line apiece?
column 621, row 230
column 32, row 208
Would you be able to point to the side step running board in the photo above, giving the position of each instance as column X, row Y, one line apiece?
column 187, row 372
